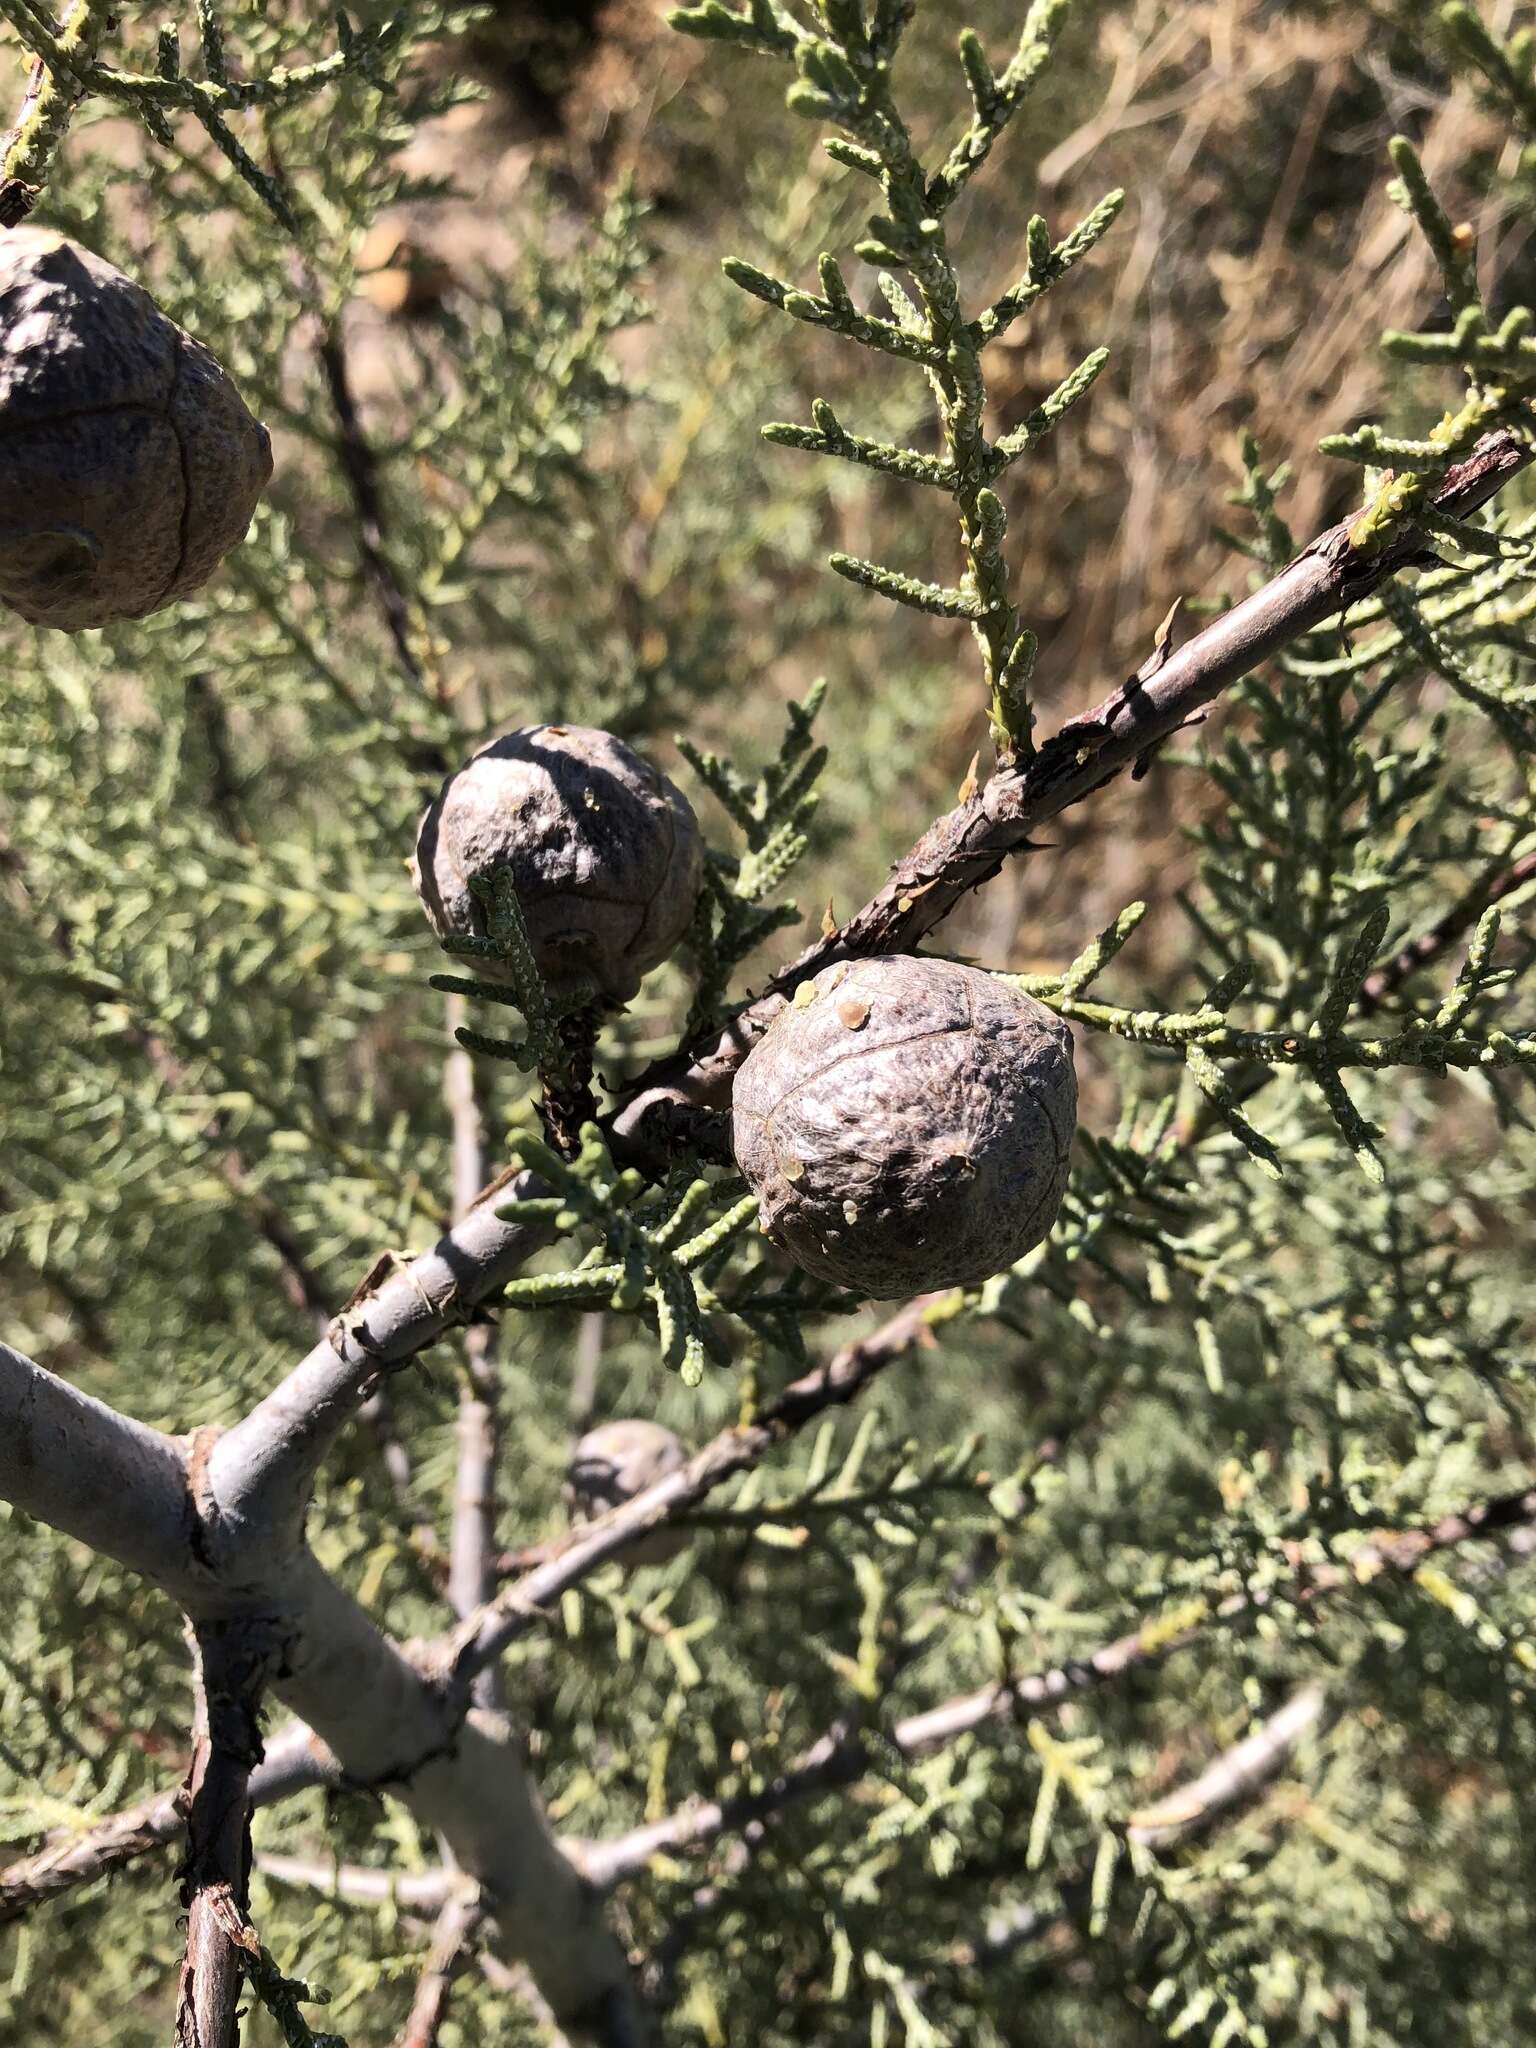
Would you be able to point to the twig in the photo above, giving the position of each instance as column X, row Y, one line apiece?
column 840, row 1757
column 423, row 1891
column 1490, row 888
column 360, row 468
column 294, row 1763
column 208, row 97
column 482, row 1637
column 1203, row 1802
column 1232, row 1779
column 378, row 1413
column 231, row 1662
column 79, row 1859
column 472, row 1537
column 411, row 1894
column 1189, row 1810
column 452, row 1939
column 970, row 844
column 54, row 90
column 204, row 701
column 585, row 1368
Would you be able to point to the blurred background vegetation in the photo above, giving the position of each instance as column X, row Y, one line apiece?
column 220, row 1061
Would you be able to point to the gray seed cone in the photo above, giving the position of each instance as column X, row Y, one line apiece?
column 612, row 1464
column 129, row 466
column 907, row 1125
column 604, row 850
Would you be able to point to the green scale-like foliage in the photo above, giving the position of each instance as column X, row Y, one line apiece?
column 1286, row 1308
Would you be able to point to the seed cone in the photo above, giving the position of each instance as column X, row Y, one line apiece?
column 612, row 1464
column 906, row 1124
column 129, row 465
column 604, row 851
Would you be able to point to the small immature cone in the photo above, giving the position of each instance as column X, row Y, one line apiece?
column 614, row 1463
column 906, row 1124
column 604, row 851
column 129, row 466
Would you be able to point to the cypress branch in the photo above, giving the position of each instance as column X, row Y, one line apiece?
column 907, row 590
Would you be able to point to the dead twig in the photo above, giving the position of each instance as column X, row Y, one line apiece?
column 1490, row 888
column 452, row 1941
column 230, row 1672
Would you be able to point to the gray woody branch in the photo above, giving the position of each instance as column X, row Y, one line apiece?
column 1230, row 1781
column 451, row 1942
column 229, row 1673
column 297, row 1758
column 264, row 1467
column 152, row 1502
column 294, row 1763
column 838, row 1757
column 472, row 1537
column 219, row 1526
column 970, row 844
column 85, row 1469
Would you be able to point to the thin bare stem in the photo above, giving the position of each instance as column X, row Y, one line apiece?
column 356, row 1884
column 585, row 1368
column 1200, row 1803
column 383, row 1712
column 1232, row 1778
column 359, row 467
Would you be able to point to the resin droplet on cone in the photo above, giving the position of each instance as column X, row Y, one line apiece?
column 604, row 851
column 129, row 465
column 906, row 1124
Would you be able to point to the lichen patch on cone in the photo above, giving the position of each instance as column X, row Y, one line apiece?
column 129, row 465
column 906, row 1124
